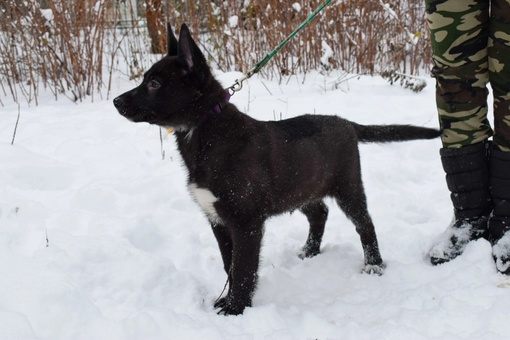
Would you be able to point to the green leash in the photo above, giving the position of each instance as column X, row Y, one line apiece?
column 238, row 85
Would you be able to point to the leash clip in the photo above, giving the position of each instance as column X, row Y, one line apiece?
column 238, row 84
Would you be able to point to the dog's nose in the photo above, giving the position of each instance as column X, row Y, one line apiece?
column 117, row 102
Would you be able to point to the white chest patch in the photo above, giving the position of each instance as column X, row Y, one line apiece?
column 206, row 200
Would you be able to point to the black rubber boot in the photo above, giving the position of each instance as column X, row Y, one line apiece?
column 467, row 177
column 499, row 222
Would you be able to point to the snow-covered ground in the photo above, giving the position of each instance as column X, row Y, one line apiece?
column 99, row 238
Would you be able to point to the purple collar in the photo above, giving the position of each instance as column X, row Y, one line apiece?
column 218, row 108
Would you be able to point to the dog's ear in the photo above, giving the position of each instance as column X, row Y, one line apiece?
column 188, row 51
column 171, row 41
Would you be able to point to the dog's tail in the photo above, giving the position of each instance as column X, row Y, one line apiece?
column 393, row 133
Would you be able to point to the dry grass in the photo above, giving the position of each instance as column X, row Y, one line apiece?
column 364, row 36
column 74, row 51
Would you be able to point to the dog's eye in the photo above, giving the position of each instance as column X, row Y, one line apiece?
column 154, row 84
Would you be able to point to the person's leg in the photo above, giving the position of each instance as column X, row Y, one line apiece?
column 499, row 75
column 467, row 177
column 499, row 70
column 459, row 31
column 459, row 37
column 499, row 222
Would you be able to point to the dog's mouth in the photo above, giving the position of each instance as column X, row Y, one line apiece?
column 147, row 118
column 138, row 116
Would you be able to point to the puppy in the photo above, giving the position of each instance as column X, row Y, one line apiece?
column 242, row 171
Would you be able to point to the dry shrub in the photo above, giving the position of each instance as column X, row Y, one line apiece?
column 60, row 48
column 70, row 48
column 74, row 47
column 354, row 36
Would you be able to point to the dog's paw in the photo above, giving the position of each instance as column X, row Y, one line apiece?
column 228, row 308
column 220, row 303
column 308, row 252
column 374, row 269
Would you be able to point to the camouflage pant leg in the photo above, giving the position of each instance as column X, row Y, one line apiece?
column 499, row 70
column 459, row 36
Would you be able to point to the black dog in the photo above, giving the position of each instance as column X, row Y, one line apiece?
column 243, row 171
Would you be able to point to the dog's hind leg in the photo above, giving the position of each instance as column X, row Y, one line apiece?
column 317, row 214
column 247, row 240
column 352, row 201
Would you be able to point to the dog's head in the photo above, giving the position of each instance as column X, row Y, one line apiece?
column 176, row 90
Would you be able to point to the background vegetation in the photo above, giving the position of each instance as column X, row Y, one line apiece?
column 72, row 47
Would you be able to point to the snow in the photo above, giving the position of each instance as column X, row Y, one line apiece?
column 327, row 54
column 233, row 21
column 47, row 14
column 389, row 10
column 100, row 238
column 501, row 252
column 444, row 249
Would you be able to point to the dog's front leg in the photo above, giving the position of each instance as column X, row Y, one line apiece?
column 247, row 241
column 224, row 240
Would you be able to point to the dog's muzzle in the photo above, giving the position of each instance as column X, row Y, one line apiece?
column 124, row 107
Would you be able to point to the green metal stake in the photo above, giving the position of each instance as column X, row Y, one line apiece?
column 238, row 85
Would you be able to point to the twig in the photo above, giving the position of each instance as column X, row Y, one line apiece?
column 16, row 126
column 161, row 143
column 416, row 84
column 266, row 88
